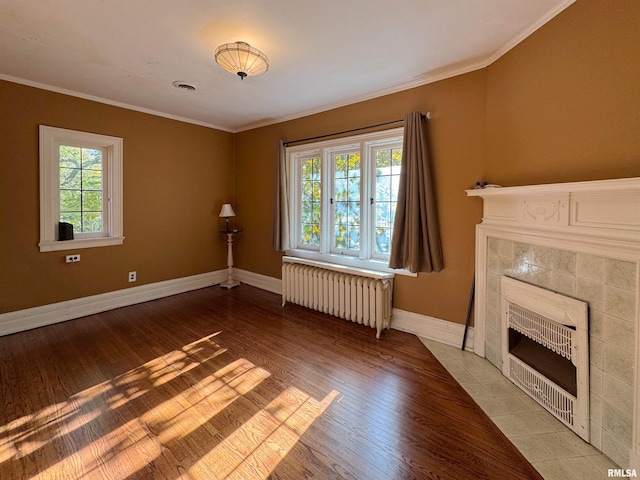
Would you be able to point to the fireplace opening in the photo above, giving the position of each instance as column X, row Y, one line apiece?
column 548, row 363
column 545, row 350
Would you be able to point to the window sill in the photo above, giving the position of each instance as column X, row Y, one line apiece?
column 376, row 265
column 80, row 243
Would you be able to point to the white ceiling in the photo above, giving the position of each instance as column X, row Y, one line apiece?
column 322, row 53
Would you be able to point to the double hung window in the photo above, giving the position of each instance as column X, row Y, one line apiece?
column 343, row 198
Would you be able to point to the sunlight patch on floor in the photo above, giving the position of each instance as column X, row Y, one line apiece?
column 26, row 435
column 170, row 416
column 255, row 449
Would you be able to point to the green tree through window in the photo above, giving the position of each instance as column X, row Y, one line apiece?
column 388, row 163
column 81, row 202
column 311, row 201
column 346, row 201
column 342, row 198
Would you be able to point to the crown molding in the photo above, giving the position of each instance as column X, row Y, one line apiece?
column 528, row 31
column 106, row 101
column 431, row 77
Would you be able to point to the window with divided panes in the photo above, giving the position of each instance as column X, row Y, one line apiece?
column 80, row 184
column 343, row 196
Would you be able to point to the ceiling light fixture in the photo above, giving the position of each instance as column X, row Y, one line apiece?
column 242, row 59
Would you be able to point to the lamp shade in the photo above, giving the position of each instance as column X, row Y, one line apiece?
column 227, row 211
column 242, row 59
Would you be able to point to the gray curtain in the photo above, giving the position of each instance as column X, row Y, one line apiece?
column 280, row 228
column 415, row 245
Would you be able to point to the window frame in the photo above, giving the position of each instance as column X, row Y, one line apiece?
column 329, row 161
column 366, row 145
column 112, row 147
column 372, row 148
column 297, row 194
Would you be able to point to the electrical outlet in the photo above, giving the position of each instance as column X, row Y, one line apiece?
column 132, row 276
column 73, row 258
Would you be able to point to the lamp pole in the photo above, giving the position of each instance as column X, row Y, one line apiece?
column 230, row 282
column 225, row 212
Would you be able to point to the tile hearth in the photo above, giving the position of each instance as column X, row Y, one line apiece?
column 554, row 450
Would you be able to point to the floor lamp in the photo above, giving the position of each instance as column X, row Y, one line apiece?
column 226, row 212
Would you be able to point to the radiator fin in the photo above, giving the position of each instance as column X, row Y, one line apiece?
column 359, row 299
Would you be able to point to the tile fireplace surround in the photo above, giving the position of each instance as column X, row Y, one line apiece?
column 581, row 240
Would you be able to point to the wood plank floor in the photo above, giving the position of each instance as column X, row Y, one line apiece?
column 217, row 384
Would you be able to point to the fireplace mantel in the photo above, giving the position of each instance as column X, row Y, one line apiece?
column 584, row 220
column 607, row 209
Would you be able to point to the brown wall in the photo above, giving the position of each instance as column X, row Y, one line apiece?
column 457, row 139
column 176, row 176
column 564, row 105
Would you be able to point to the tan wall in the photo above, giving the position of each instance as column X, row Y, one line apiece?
column 176, row 176
column 564, row 105
column 457, row 132
column 561, row 106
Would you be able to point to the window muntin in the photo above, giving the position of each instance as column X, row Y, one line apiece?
column 80, row 183
column 387, row 180
column 345, row 201
column 311, row 201
column 356, row 191
column 82, row 176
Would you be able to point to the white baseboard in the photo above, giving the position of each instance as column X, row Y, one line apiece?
column 432, row 328
column 264, row 282
column 29, row 318
column 421, row 325
column 424, row 326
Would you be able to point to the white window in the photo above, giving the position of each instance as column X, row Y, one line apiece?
column 80, row 184
column 343, row 198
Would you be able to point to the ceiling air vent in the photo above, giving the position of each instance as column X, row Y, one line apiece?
column 188, row 87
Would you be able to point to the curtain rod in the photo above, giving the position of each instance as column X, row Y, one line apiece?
column 425, row 115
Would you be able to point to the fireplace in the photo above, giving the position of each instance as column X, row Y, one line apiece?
column 545, row 350
column 580, row 240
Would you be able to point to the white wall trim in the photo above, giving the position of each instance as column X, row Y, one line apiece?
column 424, row 326
column 29, row 318
column 106, row 101
column 264, row 282
column 431, row 77
column 432, row 328
column 527, row 32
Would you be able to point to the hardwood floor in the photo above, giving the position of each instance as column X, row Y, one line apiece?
column 216, row 384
